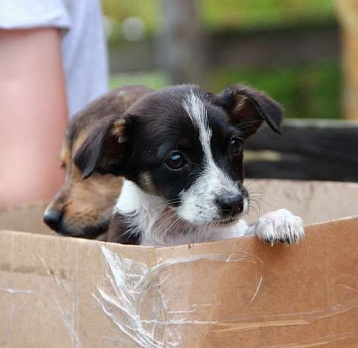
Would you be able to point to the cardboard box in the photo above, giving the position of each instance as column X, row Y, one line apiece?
column 65, row 292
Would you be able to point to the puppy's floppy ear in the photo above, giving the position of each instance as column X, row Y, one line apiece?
column 248, row 108
column 104, row 149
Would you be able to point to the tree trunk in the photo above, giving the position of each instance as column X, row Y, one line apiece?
column 181, row 41
column 348, row 15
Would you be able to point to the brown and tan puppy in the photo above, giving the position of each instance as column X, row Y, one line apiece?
column 82, row 208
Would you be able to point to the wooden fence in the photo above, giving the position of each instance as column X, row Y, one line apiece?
column 306, row 150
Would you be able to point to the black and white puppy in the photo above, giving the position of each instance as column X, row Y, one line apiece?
column 180, row 151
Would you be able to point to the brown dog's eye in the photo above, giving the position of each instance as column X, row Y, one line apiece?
column 175, row 161
column 235, row 146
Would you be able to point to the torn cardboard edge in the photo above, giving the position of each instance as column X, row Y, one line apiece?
column 70, row 292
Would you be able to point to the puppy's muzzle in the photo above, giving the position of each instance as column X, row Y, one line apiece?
column 230, row 205
column 53, row 218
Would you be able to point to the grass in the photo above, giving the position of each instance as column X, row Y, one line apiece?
column 310, row 91
column 155, row 80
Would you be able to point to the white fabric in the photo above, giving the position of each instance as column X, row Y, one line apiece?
column 83, row 42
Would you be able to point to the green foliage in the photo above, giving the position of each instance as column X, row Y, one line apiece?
column 311, row 91
column 254, row 13
column 220, row 14
column 153, row 80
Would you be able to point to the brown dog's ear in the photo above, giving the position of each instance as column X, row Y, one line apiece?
column 248, row 108
column 103, row 150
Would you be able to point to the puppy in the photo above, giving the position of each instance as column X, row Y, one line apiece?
column 83, row 208
column 180, row 151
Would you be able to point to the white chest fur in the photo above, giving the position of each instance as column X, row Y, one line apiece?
column 159, row 225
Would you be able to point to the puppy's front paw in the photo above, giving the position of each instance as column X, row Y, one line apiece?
column 280, row 226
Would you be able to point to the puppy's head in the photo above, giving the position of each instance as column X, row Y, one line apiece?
column 184, row 145
column 83, row 208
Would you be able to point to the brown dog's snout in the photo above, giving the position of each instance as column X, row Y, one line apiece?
column 53, row 218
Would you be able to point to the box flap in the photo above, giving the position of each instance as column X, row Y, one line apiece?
column 314, row 201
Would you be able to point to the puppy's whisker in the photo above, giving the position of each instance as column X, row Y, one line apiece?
column 256, row 209
column 262, row 200
column 173, row 227
column 167, row 204
column 254, row 193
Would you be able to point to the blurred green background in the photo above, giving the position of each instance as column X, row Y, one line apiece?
column 306, row 90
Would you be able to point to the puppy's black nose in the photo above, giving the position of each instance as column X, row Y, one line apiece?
column 53, row 218
column 230, row 205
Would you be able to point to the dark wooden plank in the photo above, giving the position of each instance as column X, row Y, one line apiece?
column 307, row 150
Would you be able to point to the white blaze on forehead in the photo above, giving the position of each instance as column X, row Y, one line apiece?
column 197, row 112
column 198, row 202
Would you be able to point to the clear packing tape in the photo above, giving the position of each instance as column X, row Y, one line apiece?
column 136, row 304
column 195, row 302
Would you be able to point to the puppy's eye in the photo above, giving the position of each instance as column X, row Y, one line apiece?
column 175, row 161
column 235, row 146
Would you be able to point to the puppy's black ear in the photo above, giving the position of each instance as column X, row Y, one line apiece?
column 248, row 108
column 104, row 149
